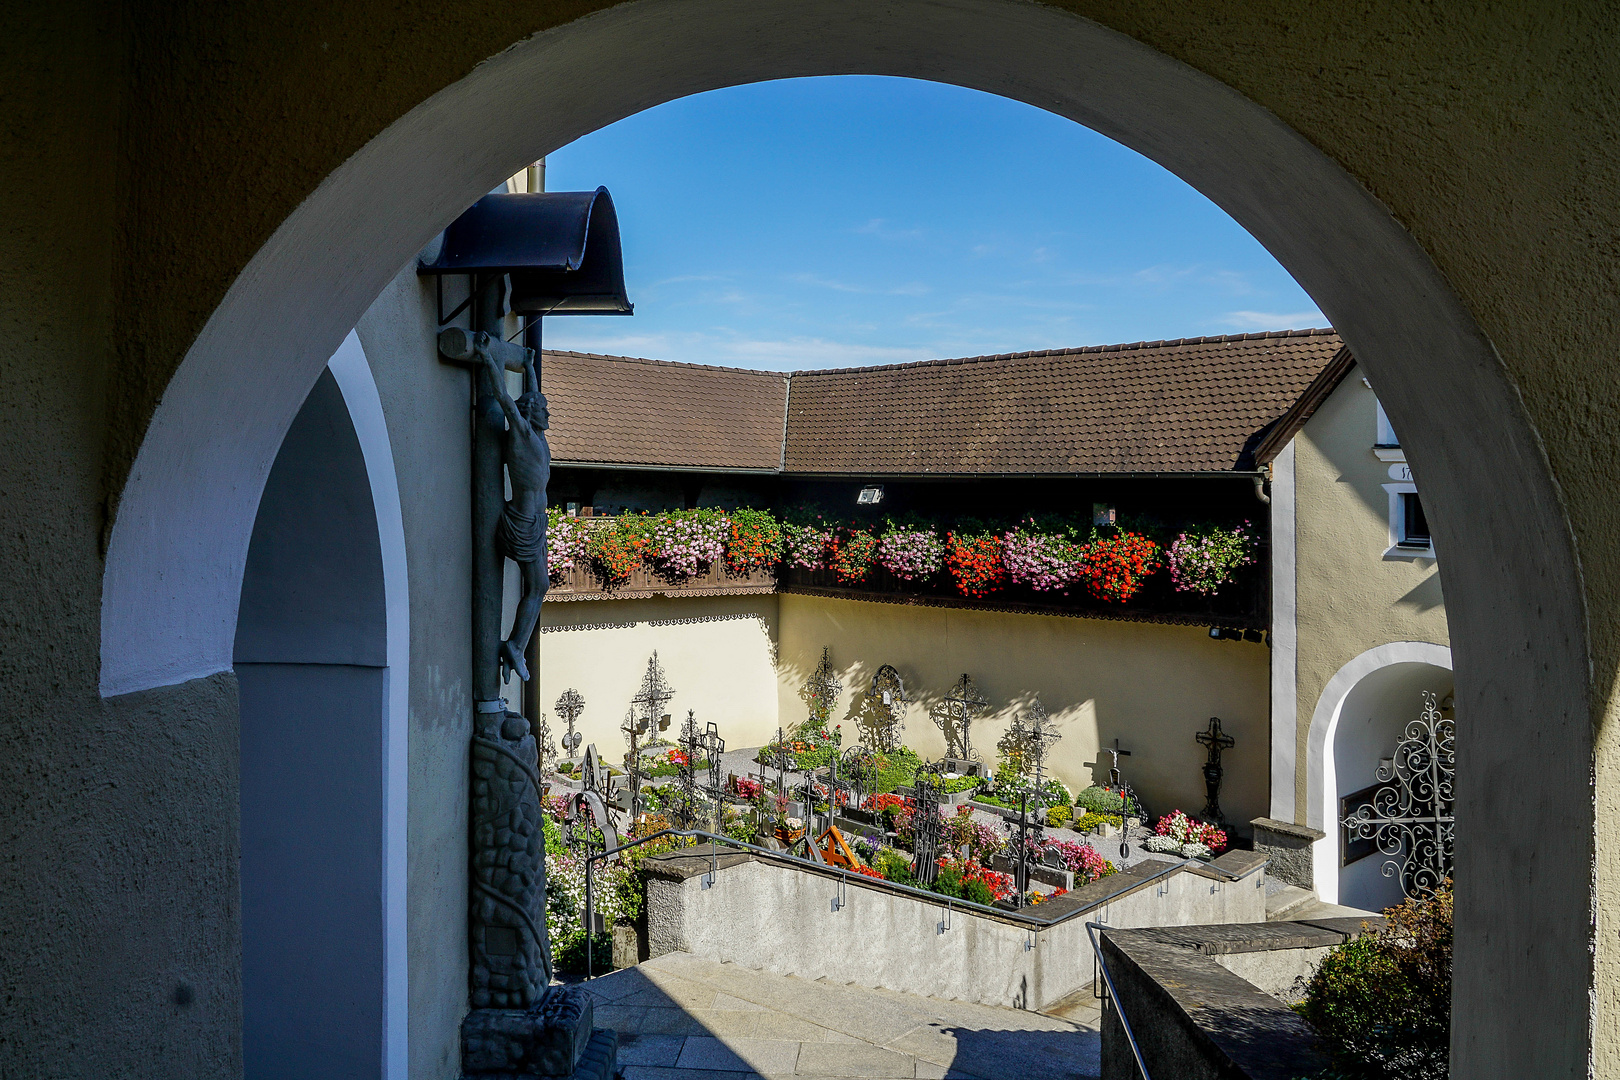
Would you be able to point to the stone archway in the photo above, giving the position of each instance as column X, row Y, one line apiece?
column 181, row 537
column 1378, row 691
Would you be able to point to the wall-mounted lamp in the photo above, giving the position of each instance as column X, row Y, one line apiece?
column 870, row 496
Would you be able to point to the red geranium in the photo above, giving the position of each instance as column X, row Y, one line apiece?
column 975, row 563
column 1116, row 567
column 852, row 555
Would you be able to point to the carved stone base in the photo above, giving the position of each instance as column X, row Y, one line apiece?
column 554, row 1039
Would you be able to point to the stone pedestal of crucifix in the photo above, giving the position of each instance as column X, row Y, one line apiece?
column 519, row 1024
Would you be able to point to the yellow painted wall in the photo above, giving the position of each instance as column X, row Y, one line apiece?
column 1350, row 597
column 1152, row 687
column 719, row 652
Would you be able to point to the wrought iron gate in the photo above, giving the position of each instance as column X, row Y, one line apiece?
column 1410, row 815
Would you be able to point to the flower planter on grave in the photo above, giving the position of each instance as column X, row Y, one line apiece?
column 787, row 835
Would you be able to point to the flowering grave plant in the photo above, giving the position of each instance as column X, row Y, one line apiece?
column 1184, row 830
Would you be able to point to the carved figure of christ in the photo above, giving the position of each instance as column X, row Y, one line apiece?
column 521, row 534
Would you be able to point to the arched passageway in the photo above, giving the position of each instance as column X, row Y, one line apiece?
column 321, row 948
column 1360, row 717
column 181, row 537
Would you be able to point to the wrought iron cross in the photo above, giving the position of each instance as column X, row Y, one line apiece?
column 823, row 689
column 926, row 824
column 714, row 746
column 569, row 706
column 686, row 777
column 1217, row 740
column 890, row 690
column 646, row 716
column 1029, row 738
column 956, row 713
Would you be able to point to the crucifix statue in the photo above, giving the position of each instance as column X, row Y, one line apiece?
column 1217, row 740
column 510, row 954
column 953, row 716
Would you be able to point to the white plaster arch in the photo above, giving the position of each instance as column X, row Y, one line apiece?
column 1321, row 783
column 353, row 375
column 177, row 547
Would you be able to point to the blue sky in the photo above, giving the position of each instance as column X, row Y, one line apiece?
column 860, row 220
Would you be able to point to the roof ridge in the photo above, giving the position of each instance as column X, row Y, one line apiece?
column 1216, row 339
column 662, row 363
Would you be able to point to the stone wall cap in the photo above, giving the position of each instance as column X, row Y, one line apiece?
column 1288, row 828
column 692, row 862
column 1231, row 864
column 1223, row 939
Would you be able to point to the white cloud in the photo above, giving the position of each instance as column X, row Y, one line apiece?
column 735, row 350
column 1252, row 321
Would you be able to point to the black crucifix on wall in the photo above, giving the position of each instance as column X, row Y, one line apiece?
column 1217, row 740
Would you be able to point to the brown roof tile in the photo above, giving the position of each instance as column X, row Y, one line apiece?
column 617, row 410
column 1185, row 406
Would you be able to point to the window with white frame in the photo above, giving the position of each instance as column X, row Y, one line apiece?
column 1409, row 535
column 1386, row 434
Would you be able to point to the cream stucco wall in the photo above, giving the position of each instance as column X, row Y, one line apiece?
column 719, row 653
column 1350, row 597
column 1150, row 686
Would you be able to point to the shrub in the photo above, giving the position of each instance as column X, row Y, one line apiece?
column 1059, row 816
column 1100, row 800
column 1091, row 822
column 1382, row 1002
column 1056, row 794
column 568, row 951
column 894, row 867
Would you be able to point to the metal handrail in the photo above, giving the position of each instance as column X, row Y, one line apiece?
column 1096, row 947
column 1000, row 914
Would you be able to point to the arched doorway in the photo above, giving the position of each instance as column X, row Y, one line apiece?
column 1359, row 719
column 1521, row 639
column 322, row 839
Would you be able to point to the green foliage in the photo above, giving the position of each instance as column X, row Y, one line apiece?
column 896, row 769
column 568, row 952
column 894, row 867
column 977, row 892
column 553, row 835
column 949, row 882
column 1382, row 1002
column 963, row 783
column 1090, row 822
column 1056, row 794
column 1100, row 800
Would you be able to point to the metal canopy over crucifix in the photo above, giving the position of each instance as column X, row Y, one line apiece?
column 569, row 706
column 956, row 713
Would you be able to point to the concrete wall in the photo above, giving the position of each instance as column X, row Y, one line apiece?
column 719, row 652
column 779, row 918
column 1350, row 597
column 1150, row 686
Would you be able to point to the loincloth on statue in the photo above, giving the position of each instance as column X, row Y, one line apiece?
column 522, row 537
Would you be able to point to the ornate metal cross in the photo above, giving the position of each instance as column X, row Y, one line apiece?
column 713, row 747
column 821, row 693
column 646, row 716
column 686, row 800
column 569, row 706
column 1217, row 740
column 1410, row 817
column 956, row 713
column 1028, row 740
column 926, row 824
column 889, row 690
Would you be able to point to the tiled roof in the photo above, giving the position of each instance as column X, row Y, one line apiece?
column 617, row 410
column 1186, row 406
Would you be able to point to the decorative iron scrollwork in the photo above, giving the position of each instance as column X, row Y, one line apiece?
column 1411, row 817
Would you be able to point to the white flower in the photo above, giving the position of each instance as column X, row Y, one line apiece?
column 1163, row 845
column 1194, row 850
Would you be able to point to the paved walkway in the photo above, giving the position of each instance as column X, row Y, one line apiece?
column 681, row 1018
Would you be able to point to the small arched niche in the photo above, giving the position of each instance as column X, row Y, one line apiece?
column 311, row 659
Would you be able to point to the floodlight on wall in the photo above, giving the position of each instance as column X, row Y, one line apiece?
column 870, row 496
column 560, row 248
